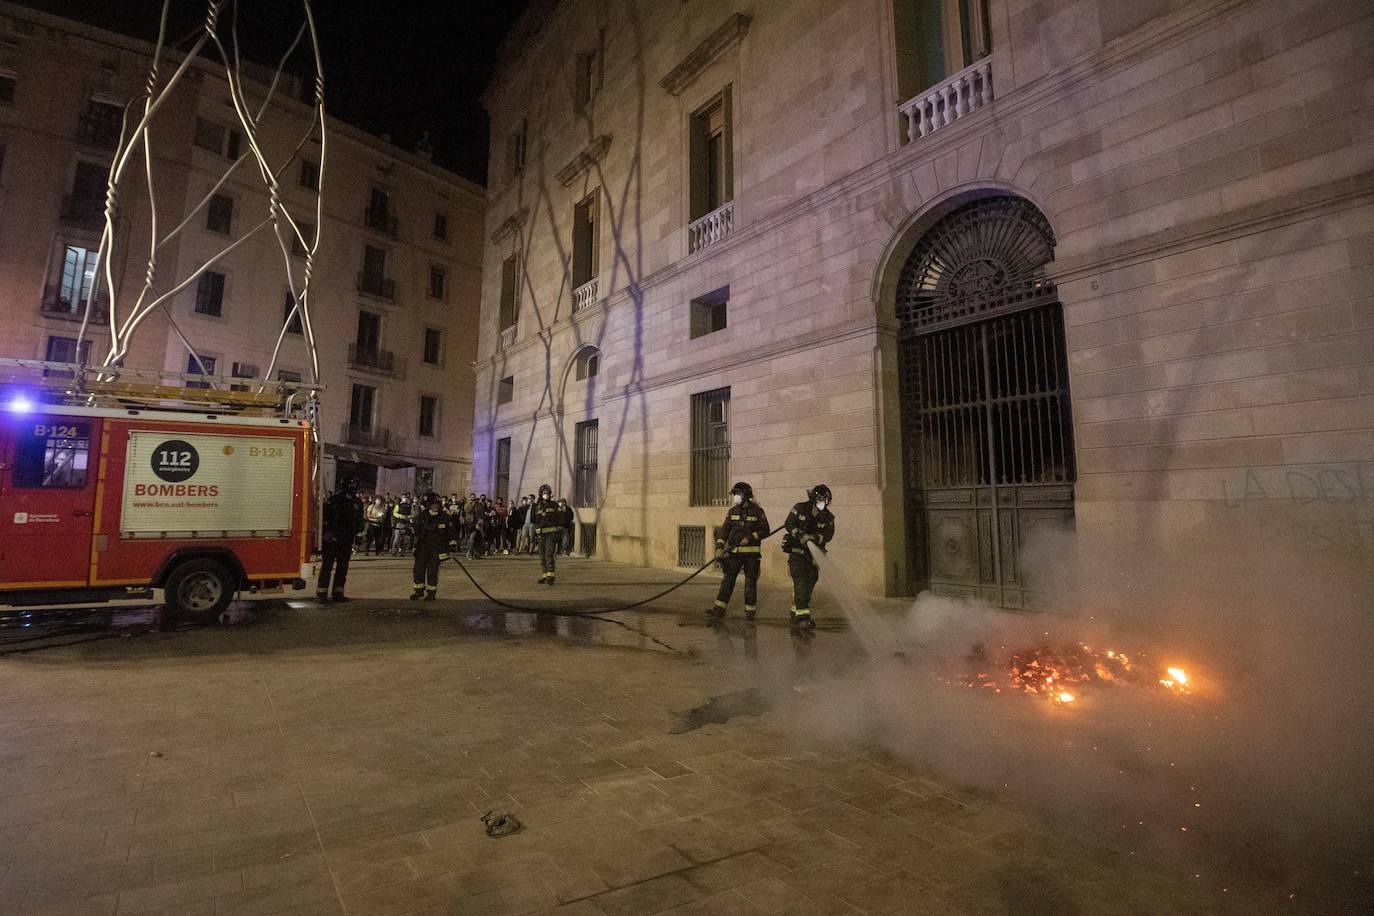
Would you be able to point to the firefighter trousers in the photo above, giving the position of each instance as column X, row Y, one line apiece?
column 731, row 566
column 805, row 574
column 548, row 552
column 426, row 574
column 334, row 557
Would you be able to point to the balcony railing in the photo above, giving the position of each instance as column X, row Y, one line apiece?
column 368, row 437
column 376, row 285
column 585, row 294
column 384, row 221
column 711, row 228
column 59, row 303
column 83, row 210
column 380, row 361
column 944, row 103
column 98, row 130
column 506, row 340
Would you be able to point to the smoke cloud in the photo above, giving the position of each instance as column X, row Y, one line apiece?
column 1263, row 774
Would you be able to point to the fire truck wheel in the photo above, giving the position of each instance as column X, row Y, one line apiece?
column 200, row 589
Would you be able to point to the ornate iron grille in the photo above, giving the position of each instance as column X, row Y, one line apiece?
column 986, row 256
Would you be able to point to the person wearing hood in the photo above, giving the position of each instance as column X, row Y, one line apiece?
column 809, row 522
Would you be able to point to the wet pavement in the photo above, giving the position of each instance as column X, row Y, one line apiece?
column 309, row 759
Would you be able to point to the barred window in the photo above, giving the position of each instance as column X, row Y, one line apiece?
column 219, row 215
column 584, row 464
column 210, row 294
column 501, row 483
column 710, row 417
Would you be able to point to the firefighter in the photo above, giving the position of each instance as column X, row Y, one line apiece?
column 809, row 522
column 740, row 547
column 435, row 535
column 548, row 528
column 343, row 519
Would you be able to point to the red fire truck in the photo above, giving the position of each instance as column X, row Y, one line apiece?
column 106, row 502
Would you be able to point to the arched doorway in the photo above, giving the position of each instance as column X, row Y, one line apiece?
column 987, row 432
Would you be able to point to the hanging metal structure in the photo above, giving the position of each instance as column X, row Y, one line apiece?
column 986, row 419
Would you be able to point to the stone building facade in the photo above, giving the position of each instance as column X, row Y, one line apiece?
column 396, row 280
column 988, row 269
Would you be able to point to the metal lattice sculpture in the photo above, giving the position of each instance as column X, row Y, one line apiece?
column 981, row 258
column 136, row 142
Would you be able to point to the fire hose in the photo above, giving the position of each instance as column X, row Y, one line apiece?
column 612, row 610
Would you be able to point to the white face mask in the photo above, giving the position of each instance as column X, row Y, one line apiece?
column 737, row 498
column 821, row 504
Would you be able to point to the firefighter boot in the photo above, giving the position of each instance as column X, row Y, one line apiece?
column 322, row 595
column 418, row 593
column 431, row 594
column 338, row 597
column 750, row 612
column 716, row 612
column 801, row 617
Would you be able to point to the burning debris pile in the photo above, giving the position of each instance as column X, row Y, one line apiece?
column 1059, row 675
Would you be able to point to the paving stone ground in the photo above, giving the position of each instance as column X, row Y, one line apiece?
column 323, row 760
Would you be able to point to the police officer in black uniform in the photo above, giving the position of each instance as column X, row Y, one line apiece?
column 435, row 535
column 809, row 522
column 740, row 546
column 343, row 519
column 548, row 529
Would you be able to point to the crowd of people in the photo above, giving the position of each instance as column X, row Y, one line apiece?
column 485, row 526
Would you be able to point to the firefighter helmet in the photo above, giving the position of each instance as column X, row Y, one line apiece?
column 545, row 488
column 743, row 489
column 819, row 491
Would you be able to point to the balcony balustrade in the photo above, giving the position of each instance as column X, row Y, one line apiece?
column 585, row 294
column 944, row 103
column 711, row 228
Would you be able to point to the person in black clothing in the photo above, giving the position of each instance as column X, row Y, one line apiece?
column 548, row 528
column 435, row 535
column 569, row 521
column 809, row 522
column 740, row 547
column 343, row 519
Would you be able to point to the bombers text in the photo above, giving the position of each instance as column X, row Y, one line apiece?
column 175, row 489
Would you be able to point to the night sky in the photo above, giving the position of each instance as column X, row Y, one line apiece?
column 397, row 67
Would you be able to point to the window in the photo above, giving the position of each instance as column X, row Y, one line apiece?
column 8, row 81
column 588, row 364
column 286, row 375
column 710, row 432
column 586, row 538
column 938, row 38
column 100, row 124
column 63, row 350
column 310, row 174
column 379, row 215
column 53, row 456
column 219, row 215
column 436, row 282
column 501, row 481
column 243, row 370
column 86, row 203
column 298, row 248
column 516, row 148
column 505, row 390
column 293, row 325
column 433, row 349
column 209, row 136
column 369, row 336
column 585, row 254
column 441, row 226
column 510, row 291
column 584, row 464
column 429, row 409
column 235, row 139
column 210, row 294
column 360, row 408
column 204, row 368
column 588, row 77
column 79, row 272
column 691, row 545
column 709, row 312
column 712, row 162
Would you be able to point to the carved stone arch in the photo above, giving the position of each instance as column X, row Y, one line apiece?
column 910, row 232
column 570, row 370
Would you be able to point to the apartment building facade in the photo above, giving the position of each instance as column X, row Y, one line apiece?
column 996, row 271
column 395, row 281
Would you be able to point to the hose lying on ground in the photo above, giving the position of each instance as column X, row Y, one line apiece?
column 592, row 611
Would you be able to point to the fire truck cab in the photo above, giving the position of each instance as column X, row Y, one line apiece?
column 106, row 502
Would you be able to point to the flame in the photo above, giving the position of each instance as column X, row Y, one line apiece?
column 1177, row 680
column 1059, row 674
